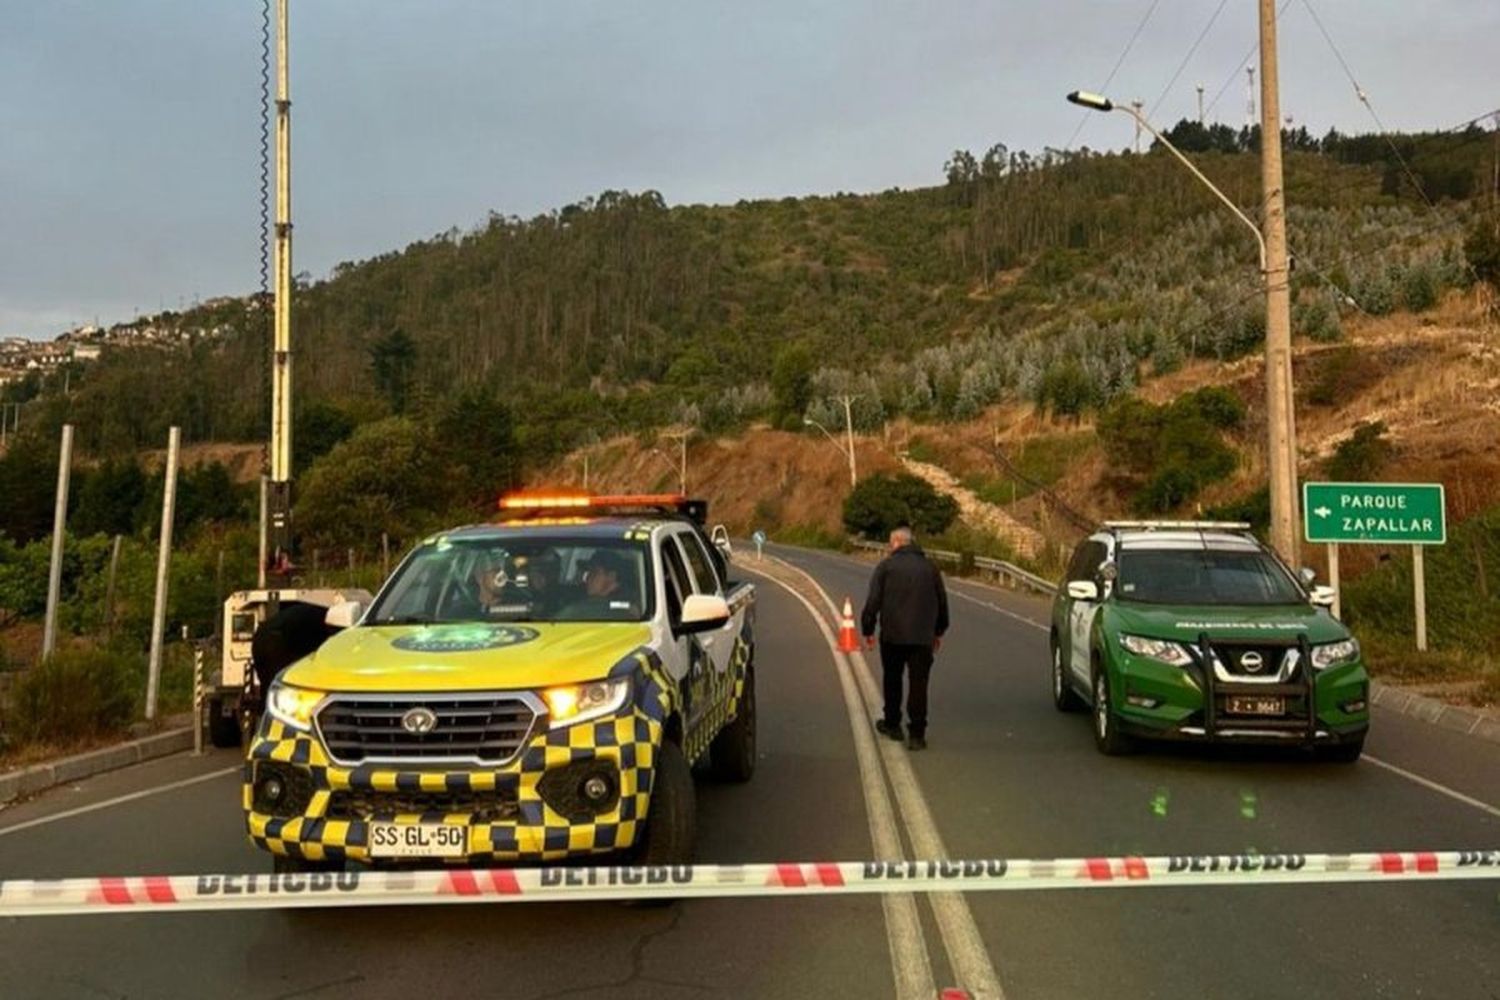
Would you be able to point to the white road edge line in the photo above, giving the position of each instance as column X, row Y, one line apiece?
column 961, row 938
column 1434, row 786
column 995, row 607
column 117, row 801
column 910, row 965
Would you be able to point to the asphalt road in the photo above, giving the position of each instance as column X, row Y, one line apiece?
column 1006, row 775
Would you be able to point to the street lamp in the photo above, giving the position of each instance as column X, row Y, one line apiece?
column 1280, row 430
column 846, row 452
column 1098, row 102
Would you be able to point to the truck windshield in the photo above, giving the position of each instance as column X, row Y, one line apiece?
column 520, row 580
column 1204, row 576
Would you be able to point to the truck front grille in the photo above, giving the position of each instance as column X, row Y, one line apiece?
column 482, row 807
column 488, row 728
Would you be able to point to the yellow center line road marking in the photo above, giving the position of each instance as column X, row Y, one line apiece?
column 118, row 801
column 910, row 965
column 966, row 950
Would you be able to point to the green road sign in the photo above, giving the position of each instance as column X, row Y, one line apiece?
column 1374, row 513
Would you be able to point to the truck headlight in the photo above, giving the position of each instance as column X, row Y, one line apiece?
column 293, row 706
column 1161, row 650
column 581, row 702
column 1334, row 653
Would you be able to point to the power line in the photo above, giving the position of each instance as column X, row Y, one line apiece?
column 1141, row 26
column 1235, row 73
column 1364, row 98
column 1187, row 58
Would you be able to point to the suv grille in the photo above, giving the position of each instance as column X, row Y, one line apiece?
column 482, row 807
column 489, row 728
column 1240, row 659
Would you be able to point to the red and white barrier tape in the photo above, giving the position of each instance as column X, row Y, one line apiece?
column 21, row 898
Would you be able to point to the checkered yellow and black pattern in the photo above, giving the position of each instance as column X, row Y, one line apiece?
column 533, row 831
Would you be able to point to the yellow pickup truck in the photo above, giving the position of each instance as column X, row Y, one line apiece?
column 531, row 690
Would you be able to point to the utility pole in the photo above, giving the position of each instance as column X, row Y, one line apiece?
column 281, row 371
column 1200, row 104
column 1137, row 104
column 682, row 440
column 1280, row 411
column 59, row 530
column 163, row 564
column 848, row 402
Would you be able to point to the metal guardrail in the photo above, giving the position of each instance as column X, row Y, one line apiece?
column 1009, row 573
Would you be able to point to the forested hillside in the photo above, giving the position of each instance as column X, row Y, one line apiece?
column 1052, row 277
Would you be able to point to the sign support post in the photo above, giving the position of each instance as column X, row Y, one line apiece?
column 1419, row 588
column 1333, row 579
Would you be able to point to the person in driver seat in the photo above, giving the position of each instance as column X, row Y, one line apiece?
column 606, row 584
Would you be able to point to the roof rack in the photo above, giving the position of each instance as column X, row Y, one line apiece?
column 1180, row 525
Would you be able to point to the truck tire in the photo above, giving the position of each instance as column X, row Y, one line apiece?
column 1107, row 735
column 731, row 755
column 672, row 816
column 1343, row 753
column 223, row 730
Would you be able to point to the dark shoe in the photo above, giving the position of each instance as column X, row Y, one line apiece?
column 889, row 731
column 917, row 743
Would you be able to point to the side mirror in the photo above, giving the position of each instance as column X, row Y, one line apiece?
column 1083, row 590
column 344, row 614
column 703, row 613
column 1307, row 575
column 721, row 541
column 1323, row 597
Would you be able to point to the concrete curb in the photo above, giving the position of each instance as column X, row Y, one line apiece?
column 1468, row 721
column 39, row 777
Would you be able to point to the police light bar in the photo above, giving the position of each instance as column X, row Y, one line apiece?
column 573, row 501
column 544, row 501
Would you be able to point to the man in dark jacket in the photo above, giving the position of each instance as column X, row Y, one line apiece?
column 909, row 603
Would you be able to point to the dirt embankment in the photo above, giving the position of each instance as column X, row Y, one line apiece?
column 1432, row 379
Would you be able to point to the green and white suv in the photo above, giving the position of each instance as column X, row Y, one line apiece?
column 1197, row 631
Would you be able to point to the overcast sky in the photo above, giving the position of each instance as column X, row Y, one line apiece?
column 128, row 128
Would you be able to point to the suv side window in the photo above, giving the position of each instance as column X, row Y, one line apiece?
column 692, row 547
column 1075, row 564
column 675, row 577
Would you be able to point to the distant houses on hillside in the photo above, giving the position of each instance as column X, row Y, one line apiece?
column 20, row 356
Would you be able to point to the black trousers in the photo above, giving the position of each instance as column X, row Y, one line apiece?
column 895, row 661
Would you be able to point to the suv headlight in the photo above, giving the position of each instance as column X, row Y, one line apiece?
column 293, row 706
column 1160, row 650
column 581, row 702
column 1334, row 653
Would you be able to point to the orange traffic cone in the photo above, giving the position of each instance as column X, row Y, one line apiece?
column 848, row 637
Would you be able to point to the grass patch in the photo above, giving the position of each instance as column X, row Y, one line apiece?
column 1041, row 460
column 808, row 536
column 1471, row 678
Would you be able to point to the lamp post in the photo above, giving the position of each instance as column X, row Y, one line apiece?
column 847, row 452
column 1281, row 431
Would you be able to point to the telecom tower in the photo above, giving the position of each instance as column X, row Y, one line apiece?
column 1250, row 119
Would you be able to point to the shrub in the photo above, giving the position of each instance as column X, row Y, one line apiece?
column 1419, row 287
column 75, row 694
column 881, row 503
column 1172, row 451
column 1360, row 457
column 1316, row 318
column 1254, row 509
